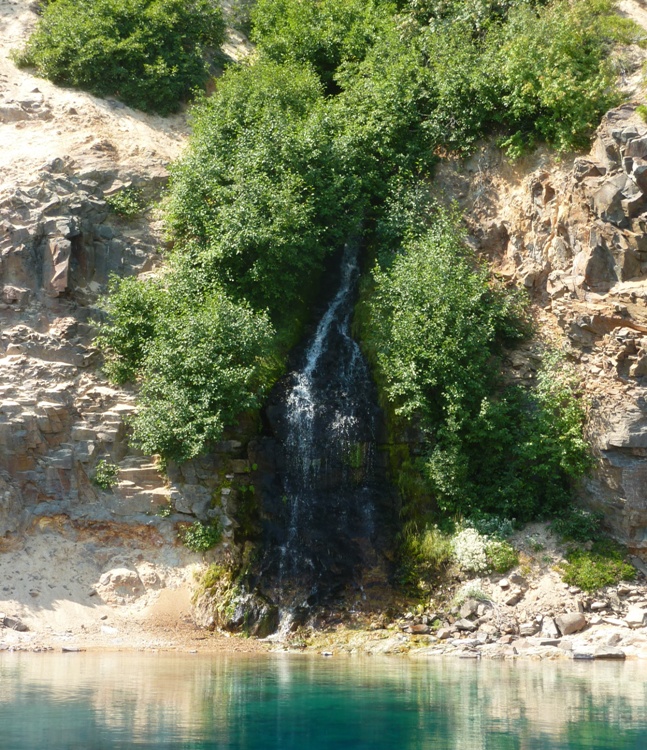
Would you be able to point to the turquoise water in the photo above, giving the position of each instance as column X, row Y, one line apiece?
column 91, row 702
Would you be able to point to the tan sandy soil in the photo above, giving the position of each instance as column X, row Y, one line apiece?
column 52, row 582
column 72, row 123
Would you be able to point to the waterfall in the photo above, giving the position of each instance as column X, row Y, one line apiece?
column 326, row 423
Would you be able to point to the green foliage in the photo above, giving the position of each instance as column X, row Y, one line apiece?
column 165, row 511
column 436, row 321
column 149, row 53
column 255, row 203
column 202, row 370
column 127, row 202
column 603, row 565
column 240, row 15
column 501, row 556
column 105, row 474
column 324, row 33
column 424, row 554
column 641, row 110
column 434, row 328
column 330, row 131
column 131, row 306
column 219, row 583
column 577, row 525
column 552, row 71
column 200, row 537
column 491, row 525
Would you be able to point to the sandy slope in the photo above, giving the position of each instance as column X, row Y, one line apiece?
column 71, row 123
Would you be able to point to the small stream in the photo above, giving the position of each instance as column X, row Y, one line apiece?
column 326, row 508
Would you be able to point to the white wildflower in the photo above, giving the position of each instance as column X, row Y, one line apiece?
column 470, row 550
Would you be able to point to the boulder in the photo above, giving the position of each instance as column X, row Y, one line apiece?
column 465, row 625
column 469, row 608
column 528, row 628
column 607, row 200
column 549, row 629
column 635, row 617
column 514, row 598
column 14, row 623
column 119, row 584
column 572, row 622
column 609, row 652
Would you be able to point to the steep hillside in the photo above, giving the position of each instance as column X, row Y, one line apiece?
column 88, row 558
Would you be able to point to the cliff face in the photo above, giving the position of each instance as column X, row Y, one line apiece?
column 573, row 232
column 63, row 539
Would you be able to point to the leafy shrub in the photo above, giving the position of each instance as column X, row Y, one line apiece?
column 323, row 34
column 478, row 553
column 577, row 525
column 424, row 554
column 200, row 537
column 603, row 565
column 491, row 525
column 149, row 53
column 435, row 323
column 127, row 202
column 552, row 68
column 257, row 202
column 105, row 474
column 433, row 326
column 132, row 308
column 201, row 371
column 501, row 556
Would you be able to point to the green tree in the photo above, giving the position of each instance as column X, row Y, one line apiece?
column 202, row 370
column 149, row 53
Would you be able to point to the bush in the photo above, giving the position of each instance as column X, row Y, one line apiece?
column 324, row 34
column 478, row 553
column 501, row 556
column 603, row 565
column 469, row 550
column 553, row 72
column 258, row 201
column 577, row 525
column 105, row 474
column 127, row 202
column 201, row 371
column 433, row 326
column 491, row 525
column 132, row 307
column 424, row 554
column 200, row 537
column 149, row 53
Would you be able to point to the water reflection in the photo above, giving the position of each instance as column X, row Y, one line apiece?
column 282, row 702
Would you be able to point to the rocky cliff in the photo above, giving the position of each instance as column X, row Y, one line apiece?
column 573, row 233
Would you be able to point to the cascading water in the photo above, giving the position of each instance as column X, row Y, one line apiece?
column 322, row 511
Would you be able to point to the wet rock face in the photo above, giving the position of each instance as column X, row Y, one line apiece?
column 326, row 499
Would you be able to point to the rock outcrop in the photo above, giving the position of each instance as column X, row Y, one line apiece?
column 574, row 233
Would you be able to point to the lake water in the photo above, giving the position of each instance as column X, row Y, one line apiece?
column 282, row 702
